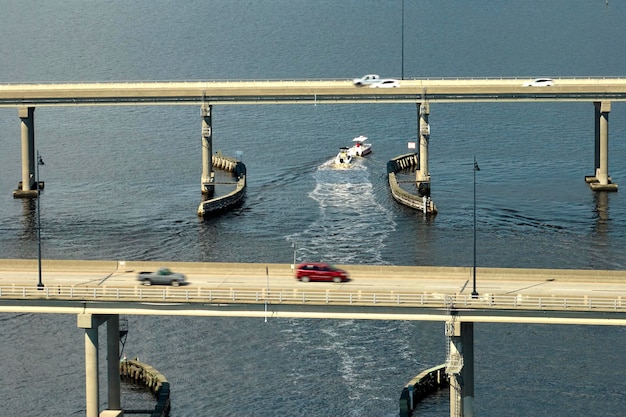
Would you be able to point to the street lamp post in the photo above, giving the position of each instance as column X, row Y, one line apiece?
column 39, row 162
column 474, row 292
column 402, row 41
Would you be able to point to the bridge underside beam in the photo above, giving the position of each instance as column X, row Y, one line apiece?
column 197, row 98
column 357, row 312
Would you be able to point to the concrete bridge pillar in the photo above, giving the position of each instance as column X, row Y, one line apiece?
column 460, row 368
column 27, row 122
column 91, row 323
column 208, row 175
column 601, row 181
column 113, row 366
column 422, row 176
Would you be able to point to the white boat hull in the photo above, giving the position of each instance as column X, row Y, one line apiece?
column 360, row 148
column 343, row 160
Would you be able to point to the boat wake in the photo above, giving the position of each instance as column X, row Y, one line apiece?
column 352, row 227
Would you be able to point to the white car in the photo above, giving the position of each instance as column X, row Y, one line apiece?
column 388, row 83
column 539, row 82
column 366, row 80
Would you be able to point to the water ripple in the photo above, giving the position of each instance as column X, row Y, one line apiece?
column 351, row 226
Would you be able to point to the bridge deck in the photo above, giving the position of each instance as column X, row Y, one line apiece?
column 269, row 290
column 308, row 91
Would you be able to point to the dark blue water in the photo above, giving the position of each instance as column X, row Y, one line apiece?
column 124, row 183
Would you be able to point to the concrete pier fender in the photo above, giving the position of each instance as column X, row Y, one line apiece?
column 419, row 163
column 421, row 387
column 234, row 198
column 142, row 374
column 420, row 201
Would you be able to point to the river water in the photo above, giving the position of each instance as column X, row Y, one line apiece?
column 124, row 183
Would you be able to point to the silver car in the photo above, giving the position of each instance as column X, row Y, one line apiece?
column 162, row 276
column 366, row 80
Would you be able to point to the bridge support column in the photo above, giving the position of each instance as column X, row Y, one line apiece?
column 208, row 175
column 26, row 188
column 113, row 365
column 601, row 181
column 92, row 400
column 91, row 323
column 460, row 368
column 422, row 175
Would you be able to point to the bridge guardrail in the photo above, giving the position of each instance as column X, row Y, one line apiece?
column 314, row 297
column 264, row 80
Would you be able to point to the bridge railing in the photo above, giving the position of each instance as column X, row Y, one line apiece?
column 312, row 296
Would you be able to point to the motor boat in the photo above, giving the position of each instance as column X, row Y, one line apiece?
column 343, row 158
column 360, row 148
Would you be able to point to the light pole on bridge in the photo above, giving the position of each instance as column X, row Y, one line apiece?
column 474, row 292
column 402, row 41
column 38, row 188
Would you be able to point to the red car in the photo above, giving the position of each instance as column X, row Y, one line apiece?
column 319, row 271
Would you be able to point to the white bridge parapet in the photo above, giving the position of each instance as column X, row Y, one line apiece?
column 308, row 297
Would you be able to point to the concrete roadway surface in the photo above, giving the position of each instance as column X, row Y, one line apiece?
column 399, row 279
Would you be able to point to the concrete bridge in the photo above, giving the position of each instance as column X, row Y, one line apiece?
column 600, row 92
column 98, row 292
column 308, row 91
